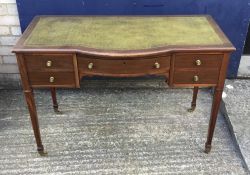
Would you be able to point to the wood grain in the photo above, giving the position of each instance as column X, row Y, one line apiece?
column 76, row 71
column 124, row 67
column 187, row 77
column 60, row 79
column 29, row 96
column 186, row 61
column 216, row 102
column 60, row 62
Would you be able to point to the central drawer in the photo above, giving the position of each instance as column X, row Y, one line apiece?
column 124, row 67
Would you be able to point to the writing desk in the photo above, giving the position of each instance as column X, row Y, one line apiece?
column 57, row 51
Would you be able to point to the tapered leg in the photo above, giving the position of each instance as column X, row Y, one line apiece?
column 34, row 120
column 53, row 95
column 213, row 118
column 193, row 103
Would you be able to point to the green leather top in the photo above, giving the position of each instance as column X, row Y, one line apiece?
column 122, row 33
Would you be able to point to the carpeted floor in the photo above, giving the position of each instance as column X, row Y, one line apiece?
column 142, row 128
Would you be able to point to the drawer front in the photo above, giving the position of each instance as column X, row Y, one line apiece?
column 49, row 63
column 46, row 79
column 198, row 61
column 123, row 67
column 196, row 77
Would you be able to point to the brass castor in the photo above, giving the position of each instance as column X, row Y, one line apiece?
column 207, row 148
column 57, row 111
column 42, row 152
column 191, row 109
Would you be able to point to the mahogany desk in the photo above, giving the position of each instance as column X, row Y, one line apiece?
column 57, row 51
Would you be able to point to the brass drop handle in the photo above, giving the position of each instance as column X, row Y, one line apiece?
column 198, row 62
column 157, row 65
column 196, row 78
column 90, row 65
column 51, row 79
column 49, row 63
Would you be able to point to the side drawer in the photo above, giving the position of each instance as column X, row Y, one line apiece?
column 196, row 77
column 124, row 67
column 50, row 79
column 203, row 61
column 49, row 62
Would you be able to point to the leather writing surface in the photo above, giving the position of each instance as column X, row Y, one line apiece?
column 123, row 33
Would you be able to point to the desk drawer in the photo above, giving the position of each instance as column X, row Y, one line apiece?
column 196, row 77
column 123, row 67
column 197, row 61
column 49, row 62
column 48, row 79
